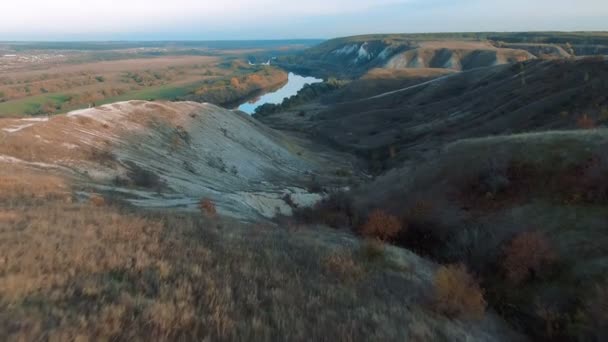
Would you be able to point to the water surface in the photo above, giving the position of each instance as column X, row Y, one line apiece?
column 294, row 84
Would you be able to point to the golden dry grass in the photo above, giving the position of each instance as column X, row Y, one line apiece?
column 343, row 265
column 85, row 270
column 18, row 183
column 79, row 271
column 457, row 293
column 94, row 76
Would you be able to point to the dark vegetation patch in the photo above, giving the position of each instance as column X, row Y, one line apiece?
column 411, row 125
column 143, row 178
column 526, row 217
column 308, row 93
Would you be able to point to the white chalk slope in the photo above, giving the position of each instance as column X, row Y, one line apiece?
column 196, row 150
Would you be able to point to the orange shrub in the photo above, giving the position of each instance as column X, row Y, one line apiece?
column 457, row 293
column 207, row 207
column 381, row 225
column 526, row 255
column 585, row 122
column 97, row 201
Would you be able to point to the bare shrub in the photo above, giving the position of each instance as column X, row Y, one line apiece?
column 527, row 255
column 457, row 293
column 381, row 225
column 207, row 207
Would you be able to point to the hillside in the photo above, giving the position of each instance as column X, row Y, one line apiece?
column 351, row 57
column 410, row 123
column 165, row 155
column 103, row 238
column 548, row 191
column 500, row 167
column 435, row 187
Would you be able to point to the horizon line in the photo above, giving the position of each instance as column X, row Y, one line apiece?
column 283, row 39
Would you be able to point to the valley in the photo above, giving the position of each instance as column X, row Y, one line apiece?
column 444, row 187
column 49, row 79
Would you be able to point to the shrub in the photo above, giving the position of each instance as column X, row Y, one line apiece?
column 142, row 177
column 336, row 211
column 207, row 207
column 381, row 225
column 103, row 156
column 585, row 122
column 97, row 201
column 526, row 256
column 457, row 293
column 475, row 246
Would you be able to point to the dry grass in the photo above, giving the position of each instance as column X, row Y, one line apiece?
column 18, row 183
column 78, row 271
column 372, row 249
column 457, row 293
column 343, row 265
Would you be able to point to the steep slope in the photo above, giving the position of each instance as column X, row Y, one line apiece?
column 351, row 57
column 456, row 55
column 477, row 196
column 159, row 154
column 409, row 123
column 74, row 271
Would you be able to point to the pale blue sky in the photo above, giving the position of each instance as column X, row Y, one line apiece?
column 274, row 19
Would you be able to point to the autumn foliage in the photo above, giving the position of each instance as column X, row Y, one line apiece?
column 381, row 225
column 457, row 293
column 526, row 256
column 207, row 207
column 585, row 122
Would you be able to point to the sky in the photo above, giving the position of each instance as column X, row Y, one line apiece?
column 282, row 19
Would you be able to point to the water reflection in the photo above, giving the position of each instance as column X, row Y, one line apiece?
column 294, row 84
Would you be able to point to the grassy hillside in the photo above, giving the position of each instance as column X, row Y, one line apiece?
column 73, row 270
column 409, row 124
column 351, row 57
column 527, row 213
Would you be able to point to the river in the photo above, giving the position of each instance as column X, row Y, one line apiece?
column 293, row 85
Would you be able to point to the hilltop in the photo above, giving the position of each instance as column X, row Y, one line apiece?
column 351, row 57
column 171, row 155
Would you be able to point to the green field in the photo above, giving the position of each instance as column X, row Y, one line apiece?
column 168, row 92
column 31, row 106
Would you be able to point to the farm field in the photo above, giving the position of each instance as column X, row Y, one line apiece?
column 49, row 79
